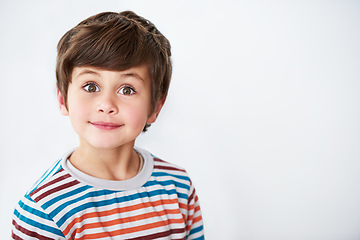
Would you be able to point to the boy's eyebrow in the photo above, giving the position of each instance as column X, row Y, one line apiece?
column 88, row 71
column 133, row 75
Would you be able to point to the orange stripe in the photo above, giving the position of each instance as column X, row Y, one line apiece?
column 117, row 211
column 191, row 207
column 183, row 206
column 197, row 219
column 131, row 230
column 124, row 220
column 196, row 198
column 197, row 208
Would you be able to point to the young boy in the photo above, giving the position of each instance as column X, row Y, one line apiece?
column 113, row 72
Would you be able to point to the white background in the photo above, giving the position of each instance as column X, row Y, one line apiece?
column 263, row 110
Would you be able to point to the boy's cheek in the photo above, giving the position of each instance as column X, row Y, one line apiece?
column 136, row 116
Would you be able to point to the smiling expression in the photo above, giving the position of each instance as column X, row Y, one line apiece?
column 109, row 109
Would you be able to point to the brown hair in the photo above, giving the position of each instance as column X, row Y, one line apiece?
column 117, row 42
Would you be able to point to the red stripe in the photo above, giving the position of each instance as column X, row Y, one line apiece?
column 168, row 168
column 160, row 234
column 191, row 197
column 59, row 188
column 27, row 232
column 16, row 237
column 50, row 183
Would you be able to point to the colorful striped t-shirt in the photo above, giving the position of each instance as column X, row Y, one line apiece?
column 158, row 203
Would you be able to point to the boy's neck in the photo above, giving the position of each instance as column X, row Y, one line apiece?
column 111, row 164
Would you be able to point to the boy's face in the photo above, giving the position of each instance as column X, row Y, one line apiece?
column 109, row 109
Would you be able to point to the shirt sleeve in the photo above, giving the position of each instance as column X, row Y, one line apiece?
column 194, row 228
column 31, row 222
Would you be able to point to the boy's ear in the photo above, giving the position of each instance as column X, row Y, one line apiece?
column 152, row 118
column 61, row 101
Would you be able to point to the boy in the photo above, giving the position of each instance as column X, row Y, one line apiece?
column 113, row 72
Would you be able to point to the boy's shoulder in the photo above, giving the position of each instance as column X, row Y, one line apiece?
column 167, row 173
column 161, row 165
column 47, row 178
column 53, row 183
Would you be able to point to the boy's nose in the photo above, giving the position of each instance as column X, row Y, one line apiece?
column 107, row 105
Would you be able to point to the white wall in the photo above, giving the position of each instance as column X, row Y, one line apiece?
column 263, row 110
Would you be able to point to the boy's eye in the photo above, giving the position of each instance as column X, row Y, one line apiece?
column 126, row 91
column 91, row 87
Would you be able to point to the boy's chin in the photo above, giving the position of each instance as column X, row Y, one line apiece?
column 104, row 145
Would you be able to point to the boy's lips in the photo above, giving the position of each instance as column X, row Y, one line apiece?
column 105, row 125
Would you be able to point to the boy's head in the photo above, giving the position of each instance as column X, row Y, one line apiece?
column 117, row 42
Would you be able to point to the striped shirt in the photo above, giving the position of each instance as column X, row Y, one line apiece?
column 158, row 203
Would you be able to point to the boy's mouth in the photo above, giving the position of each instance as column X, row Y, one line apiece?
column 105, row 125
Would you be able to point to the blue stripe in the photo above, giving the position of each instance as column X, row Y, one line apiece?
column 85, row 196
column 116, row 200
column 180, row 195
column 165, row 174
column 167, row 183
column 196, row 230
column 93, row 204
column 65, row 195
column 38, row 225
column 199, row 238
column 34, row 211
